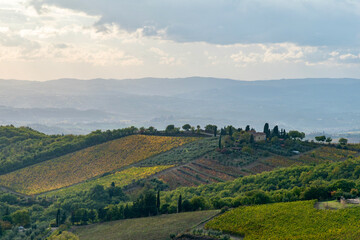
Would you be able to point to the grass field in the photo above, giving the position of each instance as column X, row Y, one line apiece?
column 88, row 163
column 293, row 220
column 120, row 179
column 151, row 228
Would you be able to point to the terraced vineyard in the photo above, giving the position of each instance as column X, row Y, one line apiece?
column 120, row 179
column 201, row 171
column 293, row 220
column 88, row 163
column 215, row 167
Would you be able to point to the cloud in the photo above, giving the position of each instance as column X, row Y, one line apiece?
column 323, row 22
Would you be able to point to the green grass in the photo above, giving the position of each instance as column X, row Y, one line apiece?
column 293, row 220
column 150, row 228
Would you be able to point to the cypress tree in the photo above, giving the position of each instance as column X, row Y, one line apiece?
column 158, row 201
column 247, row 128
column 275, row 132
column 220, row 142
column 215, row 131
column 252, row 139
column 58, row 217
column 230, row 131
column 179, row 204
column 267, row 130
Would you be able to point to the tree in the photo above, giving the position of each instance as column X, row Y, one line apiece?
column 215, row 131
column 58, row 217
column 296, row 135
column 247, row 128
column 151, row 129
column 186, row 127
column 275, row 131
column 72, row 217
column 267, row 130
column 150, row 207
column 252, row 139
column 63, row 218
column 198, row 128
column 92, row 215
column 179, row 208
column 230, row 130
column 343, row 141
column 328, row 140
column 320, row 138
column 158, row 201
column 21, row 218
column 170, row 128
column 220, row 145
column 98, row 193
column 198, row 203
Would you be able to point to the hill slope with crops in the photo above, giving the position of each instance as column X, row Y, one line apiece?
column 88, row 163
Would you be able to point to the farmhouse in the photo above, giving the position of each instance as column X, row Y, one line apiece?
column 259, row 136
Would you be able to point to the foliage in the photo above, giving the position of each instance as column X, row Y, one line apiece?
column 281, row 185
column 88, row 163
column 294, row 220
column 63, row 236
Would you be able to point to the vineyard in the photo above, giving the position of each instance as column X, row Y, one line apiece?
column 326, row 154
column 88, row 163
column 201, row 171
column 120, row 179
column 293, row 220
column 183, row 154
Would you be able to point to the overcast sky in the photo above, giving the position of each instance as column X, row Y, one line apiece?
column 239, row 39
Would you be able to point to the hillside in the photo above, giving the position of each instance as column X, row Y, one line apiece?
column 154, row 228
column 137, row 176
column 88, row 163
column 23, row 146
column 120, row 179
column 214, row 167
column 305, row 104
column 296, row 220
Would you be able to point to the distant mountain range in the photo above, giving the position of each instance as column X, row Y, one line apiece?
column 78, row 106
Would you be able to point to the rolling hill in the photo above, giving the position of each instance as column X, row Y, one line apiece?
column 88, row 163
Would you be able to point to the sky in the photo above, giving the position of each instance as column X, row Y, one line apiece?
column 238, row 39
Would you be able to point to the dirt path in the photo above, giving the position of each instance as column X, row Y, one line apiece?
column 202, row 225
column 8, row 190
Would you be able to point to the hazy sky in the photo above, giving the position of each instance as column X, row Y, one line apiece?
column 239, row 39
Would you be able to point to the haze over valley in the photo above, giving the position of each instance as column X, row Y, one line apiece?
column 77, row 106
